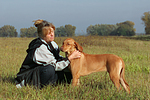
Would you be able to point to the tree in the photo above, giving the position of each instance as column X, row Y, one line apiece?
column 91, row 30
column 60, row 31
column 23, row 32
column 102, row 30
column 28, row 32
column 70, row 30
column 106, row 29
column 31, row 32
column 146, row 19
column 8, row 31
column 125, row 29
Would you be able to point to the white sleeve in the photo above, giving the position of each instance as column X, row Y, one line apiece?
column 43, row 56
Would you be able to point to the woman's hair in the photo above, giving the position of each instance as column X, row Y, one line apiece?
column 40, row 24
column 45, row 30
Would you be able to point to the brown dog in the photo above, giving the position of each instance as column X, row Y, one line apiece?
column 89, row 63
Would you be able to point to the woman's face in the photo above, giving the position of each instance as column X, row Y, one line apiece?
column 50, row 36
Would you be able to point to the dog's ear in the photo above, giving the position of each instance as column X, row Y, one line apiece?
column 78, row 47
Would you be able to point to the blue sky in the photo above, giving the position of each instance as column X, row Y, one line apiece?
column 79, row 13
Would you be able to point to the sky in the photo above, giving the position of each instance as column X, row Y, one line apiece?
column 79, row 13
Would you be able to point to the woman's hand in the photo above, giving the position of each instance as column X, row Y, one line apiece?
column 74, row 55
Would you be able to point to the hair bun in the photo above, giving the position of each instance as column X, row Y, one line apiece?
column 38, row 22
column 41, row 23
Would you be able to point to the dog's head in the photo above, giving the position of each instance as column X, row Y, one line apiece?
column 69, row 45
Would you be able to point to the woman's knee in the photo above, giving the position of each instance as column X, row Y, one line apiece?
column 47, row 70
column 47, row 75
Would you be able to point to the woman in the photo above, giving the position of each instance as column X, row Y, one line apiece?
column 43, row 65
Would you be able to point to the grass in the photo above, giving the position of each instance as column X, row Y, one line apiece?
column 135, row 53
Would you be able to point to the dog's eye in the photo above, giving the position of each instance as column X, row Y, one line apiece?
column 68, row 44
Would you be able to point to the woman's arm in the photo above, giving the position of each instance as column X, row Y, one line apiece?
column 43, row 56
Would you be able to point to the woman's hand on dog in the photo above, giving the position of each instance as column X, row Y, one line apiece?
column 74, row 55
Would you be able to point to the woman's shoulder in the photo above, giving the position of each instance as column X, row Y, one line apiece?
column 36, row 43
column 42, row 47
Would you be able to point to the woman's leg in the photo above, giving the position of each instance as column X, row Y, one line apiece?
column 68, row 76
column 64, row 77
column 47, row 75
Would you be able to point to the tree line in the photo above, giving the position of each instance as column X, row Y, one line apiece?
column 120, row 29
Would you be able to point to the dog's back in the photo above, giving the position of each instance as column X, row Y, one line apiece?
column 89, row 63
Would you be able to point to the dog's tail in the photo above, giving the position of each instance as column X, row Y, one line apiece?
column 122, row 79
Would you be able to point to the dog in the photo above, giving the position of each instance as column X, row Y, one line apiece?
column 89, row 63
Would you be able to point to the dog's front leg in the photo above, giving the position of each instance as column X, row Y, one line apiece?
column 75, row 80
column 78, row 83
column 75, row 70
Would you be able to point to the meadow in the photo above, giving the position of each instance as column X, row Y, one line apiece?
column 96, row 86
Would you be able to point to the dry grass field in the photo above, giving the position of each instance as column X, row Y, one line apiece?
column 97, row 86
